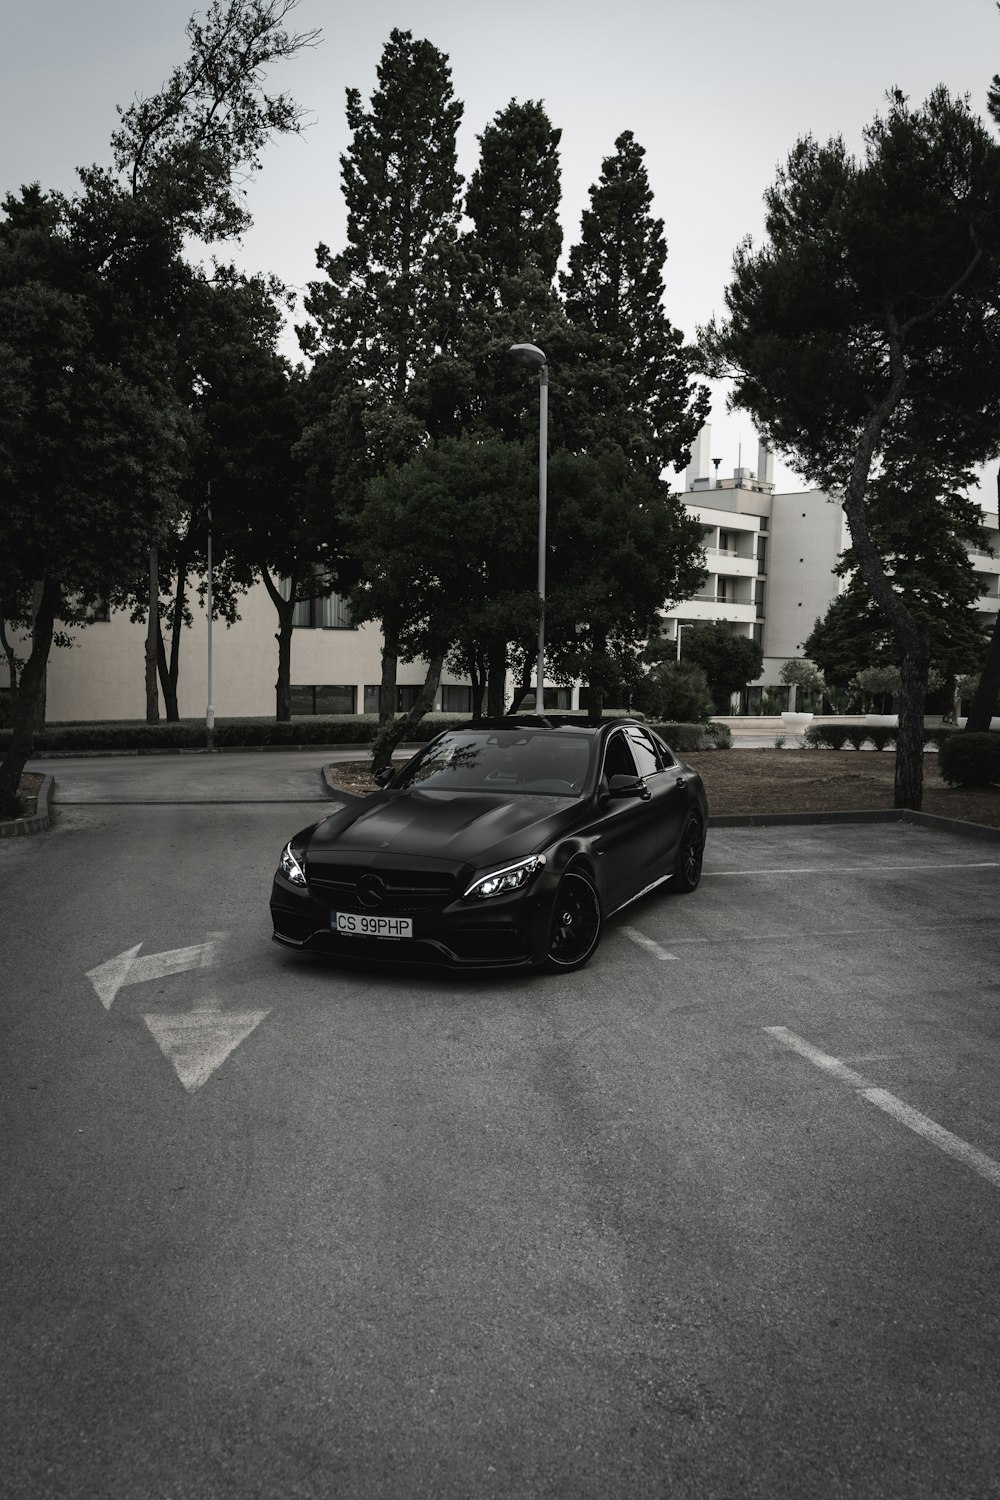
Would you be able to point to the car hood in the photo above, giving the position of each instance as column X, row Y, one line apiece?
column 462, row 828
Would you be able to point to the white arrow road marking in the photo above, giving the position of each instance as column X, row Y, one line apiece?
column 128, row 968
column 198, row 1041
column 194, row 1042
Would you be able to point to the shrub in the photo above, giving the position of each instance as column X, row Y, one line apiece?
column 827, row 736
column 674, row 692
column 970, row 759
column 881, row 735
column 685, row 737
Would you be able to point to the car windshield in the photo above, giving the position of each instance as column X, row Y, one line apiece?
column 540, row 762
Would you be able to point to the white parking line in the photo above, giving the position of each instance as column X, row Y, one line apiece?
column 930, row 1130
column 799, row 934
column 647, row 943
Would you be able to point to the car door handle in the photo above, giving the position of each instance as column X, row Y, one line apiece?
column 680, row 782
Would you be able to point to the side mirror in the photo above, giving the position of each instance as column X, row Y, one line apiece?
column 629, row 786
column 383, row 777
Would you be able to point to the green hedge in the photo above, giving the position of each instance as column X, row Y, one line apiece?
column 311, row 729
column 835, row 736
column 189, row 734
column 970, row 759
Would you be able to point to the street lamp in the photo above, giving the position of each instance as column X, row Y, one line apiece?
column 677, row 632
column 530, row 354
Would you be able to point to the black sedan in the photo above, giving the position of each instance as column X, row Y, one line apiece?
column 504, row 844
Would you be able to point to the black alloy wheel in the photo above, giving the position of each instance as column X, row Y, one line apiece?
column 687, row 870
column 576, row 924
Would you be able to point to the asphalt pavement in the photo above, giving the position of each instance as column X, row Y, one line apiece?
column 717, row 1216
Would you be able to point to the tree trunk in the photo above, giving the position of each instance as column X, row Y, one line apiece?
column 397, row 730
column 283, row 684
column 152, row 632
column 283, row 636
column 596, row 681
column 909, row 747
column 387, row 687
column 13, row 661
column 984, row 703
column 168, row 684
column 909, row 783
column 472, row 657
column 496, row 681
column 169, row 673
column 523, row 688
column 24, row 704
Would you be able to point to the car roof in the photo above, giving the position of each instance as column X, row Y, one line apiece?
column 549, row 721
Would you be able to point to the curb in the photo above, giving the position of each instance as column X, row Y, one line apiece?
column 338, row 747
column 339, row 793
column 39, row 822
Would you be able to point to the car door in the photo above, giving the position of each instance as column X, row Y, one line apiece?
column 626, row 844
column 669, row 801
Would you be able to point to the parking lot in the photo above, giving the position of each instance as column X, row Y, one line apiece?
column 716, row 1216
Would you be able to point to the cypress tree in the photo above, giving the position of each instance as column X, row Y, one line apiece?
column 385, row 298
column 385, row 309
column 614, row 286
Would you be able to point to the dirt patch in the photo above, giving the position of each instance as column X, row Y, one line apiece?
column 751, row 781
column 27, row 793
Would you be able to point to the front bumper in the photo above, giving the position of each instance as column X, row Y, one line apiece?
column 508, row 932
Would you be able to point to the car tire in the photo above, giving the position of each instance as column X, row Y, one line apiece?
column 690, row 854
column 576, row 924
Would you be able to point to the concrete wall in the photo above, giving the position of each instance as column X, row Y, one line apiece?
column 807, row 536
column 102, row 676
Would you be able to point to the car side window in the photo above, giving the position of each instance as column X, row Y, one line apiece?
column 618, row 758
column 667, row 756
column 644, row 750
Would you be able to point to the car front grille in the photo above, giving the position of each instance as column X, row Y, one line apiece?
column 399, row 892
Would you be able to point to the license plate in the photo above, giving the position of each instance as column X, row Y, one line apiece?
column 379, row 927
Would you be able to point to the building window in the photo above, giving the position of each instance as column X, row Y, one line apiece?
column 325, row 698
column 456, row 699
column 406, row 698
column 762, row 554
column 333, row 612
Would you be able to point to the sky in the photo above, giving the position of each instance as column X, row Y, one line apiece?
column 717, row 91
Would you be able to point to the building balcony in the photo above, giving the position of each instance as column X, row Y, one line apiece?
column 730, row 564
column 702, row 608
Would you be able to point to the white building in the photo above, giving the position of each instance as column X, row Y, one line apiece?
column 770, row 560
column 771, row 557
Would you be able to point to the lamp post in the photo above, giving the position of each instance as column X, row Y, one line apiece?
column 677, row 633
column 210, row 710
column 530, row 354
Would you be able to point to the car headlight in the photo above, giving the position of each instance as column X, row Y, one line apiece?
column 290, row 867
column 506, row 878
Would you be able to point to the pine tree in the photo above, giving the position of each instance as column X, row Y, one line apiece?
column 614, row 286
